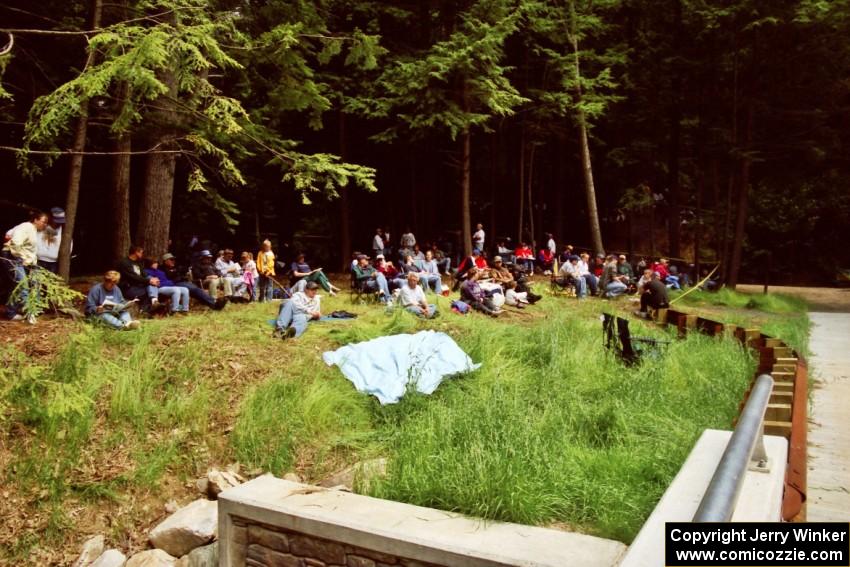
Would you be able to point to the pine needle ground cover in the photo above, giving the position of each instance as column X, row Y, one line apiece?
column 552, row 430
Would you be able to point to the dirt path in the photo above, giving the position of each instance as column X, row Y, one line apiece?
column 820, row 299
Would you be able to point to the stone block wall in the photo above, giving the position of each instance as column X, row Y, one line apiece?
column 263, row 545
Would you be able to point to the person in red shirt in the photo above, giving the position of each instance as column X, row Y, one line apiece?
column 394, row 278
column 661, row 267
column 545, row 259
column 524, row 257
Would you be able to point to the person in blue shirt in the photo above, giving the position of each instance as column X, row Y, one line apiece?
column 102, row 300
column 179, row 295
column 301, row 274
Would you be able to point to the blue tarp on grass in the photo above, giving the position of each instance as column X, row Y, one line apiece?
column 383, row 367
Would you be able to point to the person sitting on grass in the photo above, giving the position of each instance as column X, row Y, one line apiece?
column 654, row 295
column 104, row 303
column 611, row 282
column 179, row 295
column 168, row 264
column 431, row 269
column 570, row 274
column 413, row 298
column 368, row 279
column 301, row 274
column 444, row 263
column 518, row 299
column 644, row 280
column 295, row 313
column 205, row 273
column 135, row 284
column 471, row 293
column 662, row 266
column 625, row 269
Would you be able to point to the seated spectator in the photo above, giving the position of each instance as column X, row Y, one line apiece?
column 570, row 275
column 518, row 299
column 598, row 265
column 134, row 283
column 205, row 273
column 584, row 272
column 266, row 271
column 625, row 269
column 301, row 274
column 545, row 261
column 179, row 295
column 394, row 277
column 471, row 293
column 105, row 300
column 368, row 279
column 611, row 283
column 231, row 273
column 413, row 298
column 654, row 295
column 565, row 254
column 644, row 279
column 663, row 269
column 428, row 279
column 295, row 313
column 525, row 258
column 507, row 253
column 472, row 261
column 250, row 275
column 177, row 275
column 499, row 273
column 444, row 263
column 417, row 254
column 677, row 279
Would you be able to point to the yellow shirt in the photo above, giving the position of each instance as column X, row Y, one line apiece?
column 265, row 263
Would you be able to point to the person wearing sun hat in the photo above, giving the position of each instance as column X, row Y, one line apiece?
column 50, row 239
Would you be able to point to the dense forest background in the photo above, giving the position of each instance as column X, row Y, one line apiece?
column 708, row 130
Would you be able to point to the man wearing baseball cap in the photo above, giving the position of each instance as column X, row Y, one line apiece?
column 49, row 240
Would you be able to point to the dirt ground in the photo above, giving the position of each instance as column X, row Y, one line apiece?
column 820, row 299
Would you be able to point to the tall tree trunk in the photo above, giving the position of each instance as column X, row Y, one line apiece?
column 674, row 217
column 466, row 159
column 75, row 173
column 155, row 213
column 743, row 200
column 724, row 268
column 494, row 161
column 520, row 236
column 120, row 197
column 586, row 165
column 344, row 205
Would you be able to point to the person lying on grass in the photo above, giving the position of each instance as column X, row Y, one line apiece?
column 413, row 298
column 105, row 302
column 295, row 313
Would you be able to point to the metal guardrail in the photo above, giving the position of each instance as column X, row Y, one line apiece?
column 745, row 450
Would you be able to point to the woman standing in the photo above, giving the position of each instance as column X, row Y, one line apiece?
column 20, row 251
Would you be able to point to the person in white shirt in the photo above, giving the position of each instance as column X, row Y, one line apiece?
column 413, row 298
column 50, row 238
column 20, row 254
column 550, row 244
column 294, row 314
column 478, row 238
column 570, row 274
column 231, row 273
column 584, row 272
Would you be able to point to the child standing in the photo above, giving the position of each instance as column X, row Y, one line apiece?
column 249, row 274
column 265, row 267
